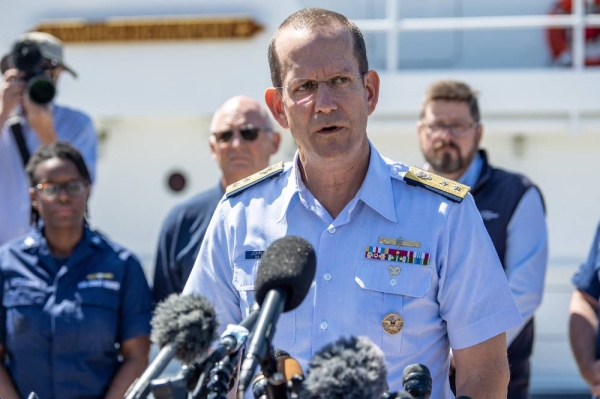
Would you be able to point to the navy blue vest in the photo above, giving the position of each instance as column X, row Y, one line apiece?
column 497, row 194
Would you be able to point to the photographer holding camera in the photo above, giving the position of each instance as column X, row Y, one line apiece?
column 29, row 118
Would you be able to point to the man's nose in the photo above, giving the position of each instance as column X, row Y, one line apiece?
column 237, row 139
column 324, row 98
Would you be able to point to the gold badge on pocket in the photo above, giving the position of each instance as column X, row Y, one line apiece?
column 392, row 323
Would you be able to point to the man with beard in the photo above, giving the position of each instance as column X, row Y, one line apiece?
column 511, row 206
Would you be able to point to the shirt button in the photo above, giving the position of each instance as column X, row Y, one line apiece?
column 324, row 325
column 327, row 276
column 331, row 230
column 393, row 282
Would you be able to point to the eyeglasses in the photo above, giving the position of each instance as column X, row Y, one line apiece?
column 340, row 85
column 457, row 129
column 51, row 191
column 248, row 133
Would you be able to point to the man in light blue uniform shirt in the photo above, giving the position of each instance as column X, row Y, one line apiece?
column 41, row 125
column 583, row 318
column 512, row 208
column 401, row 257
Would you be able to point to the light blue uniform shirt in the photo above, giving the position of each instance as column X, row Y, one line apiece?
column 70, row 125
column 459, row 299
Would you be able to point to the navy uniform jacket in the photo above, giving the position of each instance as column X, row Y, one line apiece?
column 61, row 318
column 180, row 238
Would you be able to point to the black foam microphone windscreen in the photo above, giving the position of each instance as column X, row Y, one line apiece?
column 183, row 327
column 416, row 380
column 288, row 264
column 188, row 322
column 350, row 368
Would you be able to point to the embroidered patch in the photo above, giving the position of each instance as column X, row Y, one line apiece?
column 108, row 284
column 397, row 255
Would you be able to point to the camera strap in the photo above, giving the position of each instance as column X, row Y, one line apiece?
column 17, row 131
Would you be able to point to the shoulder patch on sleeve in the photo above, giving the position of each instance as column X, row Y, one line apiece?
column 239, row 186
column 438, row 184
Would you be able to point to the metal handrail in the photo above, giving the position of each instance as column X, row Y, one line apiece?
column 578, row 20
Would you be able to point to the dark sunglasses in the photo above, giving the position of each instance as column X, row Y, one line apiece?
column 249, row 133
column 51, row 190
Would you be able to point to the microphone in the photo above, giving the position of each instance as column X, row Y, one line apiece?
column 350, row 368
column 284, row 277
column 290, row 371
column 235, row 336
column 416, row 380
column 398, row 395
column 183, row 327
column 193, row 376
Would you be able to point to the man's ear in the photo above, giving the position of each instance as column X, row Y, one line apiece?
column 478, row 134
column 212, row 144
column 372, row 84
column 276, row 106
column 275, row 140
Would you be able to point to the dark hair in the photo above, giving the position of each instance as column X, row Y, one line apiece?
column 452, row 90
column 310, row 18
column 61, row 150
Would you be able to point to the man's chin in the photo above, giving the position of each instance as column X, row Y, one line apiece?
column 446, row 166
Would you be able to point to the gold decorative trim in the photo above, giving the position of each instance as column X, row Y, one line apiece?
column 446, row 187
column 122, row 30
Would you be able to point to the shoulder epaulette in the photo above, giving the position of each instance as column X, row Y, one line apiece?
column 438, row 184
column 239, row 186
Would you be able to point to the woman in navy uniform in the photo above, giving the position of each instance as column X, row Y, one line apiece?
column 75, row 314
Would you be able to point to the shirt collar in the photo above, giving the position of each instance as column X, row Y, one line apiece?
column 375, row 191
column 35, row 242
column 473, row 171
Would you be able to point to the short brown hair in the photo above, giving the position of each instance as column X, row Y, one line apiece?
column 310, row 18
column 452, row 90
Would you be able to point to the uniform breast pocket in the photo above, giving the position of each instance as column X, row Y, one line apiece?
column 25, row 315
column 99, row 315
column 396, row 295
column 244, row 278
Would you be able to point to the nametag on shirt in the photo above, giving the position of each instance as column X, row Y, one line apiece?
column 254, row 254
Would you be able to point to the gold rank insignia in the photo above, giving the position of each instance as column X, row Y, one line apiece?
column 392, row 323
column 100, row 276
column 399, row 242
column 239, row 186
column 448, row 188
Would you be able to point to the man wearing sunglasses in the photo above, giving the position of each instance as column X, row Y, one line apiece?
column 26, row 124
column 511, row 207
column 402, row 255
column 242, row 141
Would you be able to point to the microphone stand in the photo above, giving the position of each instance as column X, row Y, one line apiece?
column 220, row 377
column 276, row 387
column 177, row 387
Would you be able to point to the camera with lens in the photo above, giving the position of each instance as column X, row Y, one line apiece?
column 28, row 59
